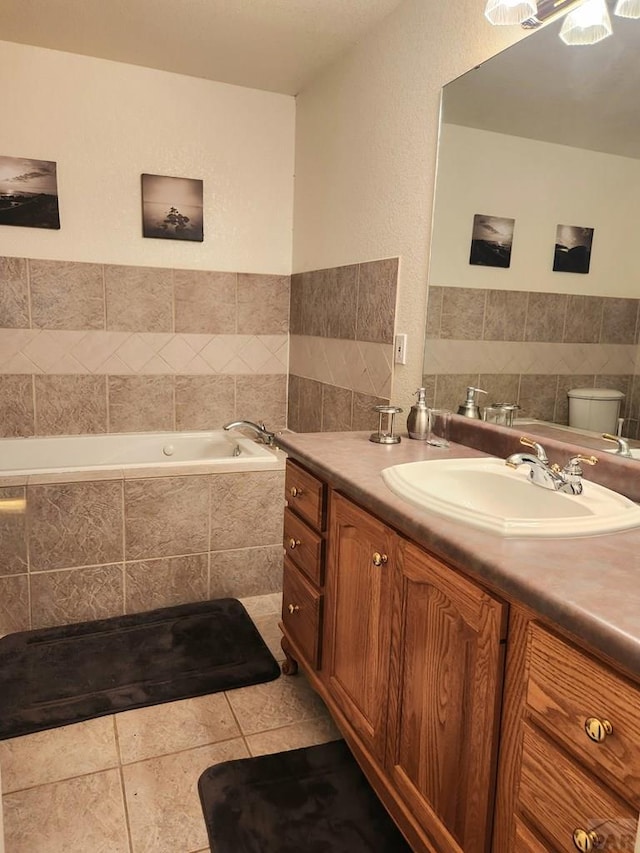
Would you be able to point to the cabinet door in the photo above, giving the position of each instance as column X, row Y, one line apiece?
column 445, row 685
column 357, row 611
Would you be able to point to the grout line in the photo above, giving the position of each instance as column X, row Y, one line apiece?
column 123, row 788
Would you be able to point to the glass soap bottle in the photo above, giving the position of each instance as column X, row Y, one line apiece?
column 418, row 418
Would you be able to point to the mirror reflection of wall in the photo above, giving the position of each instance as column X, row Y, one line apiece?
column 546, row 135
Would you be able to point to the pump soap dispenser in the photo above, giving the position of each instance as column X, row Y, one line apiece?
column 418, row 418
column 470, row 406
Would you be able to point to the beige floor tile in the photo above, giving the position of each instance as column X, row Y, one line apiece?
column 58, row 754
column 307, row 733
column 270, row 633
column 84, row 815
column 162, row 798
column 174, row 726
column 275, row 704
column 260, row 605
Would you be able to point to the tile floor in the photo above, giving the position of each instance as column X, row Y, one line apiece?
column 126, row 783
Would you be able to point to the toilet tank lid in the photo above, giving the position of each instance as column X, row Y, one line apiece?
column 595, row 394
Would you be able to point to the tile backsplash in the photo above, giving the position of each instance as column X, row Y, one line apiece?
column 531, row 348
column 93, row 348
column 341, row 352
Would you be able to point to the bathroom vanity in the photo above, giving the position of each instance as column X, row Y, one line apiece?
column 489, row 687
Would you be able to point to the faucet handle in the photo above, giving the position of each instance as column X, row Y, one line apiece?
column 539, row 449
column 573, row 465
column 623, row 444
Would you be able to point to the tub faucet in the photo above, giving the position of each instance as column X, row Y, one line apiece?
column 259, row 429
column 567, row 479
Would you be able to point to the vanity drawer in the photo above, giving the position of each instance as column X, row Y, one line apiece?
column 306, row 495
column 301, row 613
column 559, row 798
column 566, row 689
column 304, row 547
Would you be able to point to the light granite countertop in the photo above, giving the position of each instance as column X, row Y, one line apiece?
column 589, row 586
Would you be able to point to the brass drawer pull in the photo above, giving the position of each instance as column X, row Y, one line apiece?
column 597, row 729
column 585, row 841
column 294, row 543
column 293, row 608
column 295, row 492
column 380, row 559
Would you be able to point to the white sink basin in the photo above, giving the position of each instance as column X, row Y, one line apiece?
column 486, row 493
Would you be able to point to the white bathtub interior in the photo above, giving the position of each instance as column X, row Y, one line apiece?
column 225, row 451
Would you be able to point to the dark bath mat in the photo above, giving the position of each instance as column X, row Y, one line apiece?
column 55, row 676
column 315, row 800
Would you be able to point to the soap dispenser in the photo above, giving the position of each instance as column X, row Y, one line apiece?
column 418, row 418
column 470, row 407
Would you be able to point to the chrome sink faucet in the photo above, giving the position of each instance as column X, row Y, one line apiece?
column 542, row 473
column 260, row 430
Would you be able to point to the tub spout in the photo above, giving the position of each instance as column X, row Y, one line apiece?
column 260, row 430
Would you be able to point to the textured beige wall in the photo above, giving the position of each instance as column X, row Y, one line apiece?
column 366, row 139
column 106, row 123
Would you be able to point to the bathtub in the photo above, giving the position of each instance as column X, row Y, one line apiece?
column 163, row 451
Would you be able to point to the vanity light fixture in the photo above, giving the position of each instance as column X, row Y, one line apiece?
column 504, row 12
column 588, row 24
column 627, row 9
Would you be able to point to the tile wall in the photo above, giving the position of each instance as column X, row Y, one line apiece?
column 93, row 348
column 341, row 346
column 531, row 348
column 75, row 551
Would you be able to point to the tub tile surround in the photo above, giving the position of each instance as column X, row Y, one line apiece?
column 92, row 348
column 531, row 348
column 127, row 782
column 74, row 551
column 341, row 349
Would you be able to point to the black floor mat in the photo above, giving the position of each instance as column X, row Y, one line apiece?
column 315, row 800
column 55, row 676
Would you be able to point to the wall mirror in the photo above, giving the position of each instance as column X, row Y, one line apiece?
column 546, row 137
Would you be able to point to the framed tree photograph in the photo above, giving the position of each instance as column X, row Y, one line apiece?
column 573, row 249
column 491, row 241
column 172, row 208
column 28, row 193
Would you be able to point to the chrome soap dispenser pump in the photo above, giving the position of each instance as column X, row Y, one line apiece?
column 470, row 407
column 418, row 418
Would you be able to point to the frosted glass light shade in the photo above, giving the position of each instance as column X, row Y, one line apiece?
column 627, row 9
column 587, row 24
column 504, row 12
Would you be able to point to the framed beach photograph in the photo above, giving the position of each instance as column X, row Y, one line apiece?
column 491, row 241
column 573, row 249
column 28, row 193
column 172, row 208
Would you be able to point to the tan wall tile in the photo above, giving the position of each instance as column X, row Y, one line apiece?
column 364, row 415
column 500, row 388
column 377, row 283
column 584, row 319
column 204, row 402
column 451, row 389
column 17, row 416
column 462, row 313
column 545, row 317
column 262, row 398
column 263, row 304
column 434, row 312
column 293, row 403
column 74, row 524
column 538, row 396
column 139, row 299
column 76, row 595
column 166, row 582
column 336, row 408
column 619, row 321
column 140, row 403
column 330, row 302
column 310, row 406
column 14, row 604
column 505, row 315
column 14, row 294
column 70, row 405
column 66, row 295
column 297, row 304
column 205, row 302
column 13, row 531
column 166, row 516
column 246, row 571
column 246, row 509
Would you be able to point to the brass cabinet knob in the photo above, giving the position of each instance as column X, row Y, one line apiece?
column 293, row 608
column 584, row 840
column 597, row 729
column 294, row 543
column 380, row 559
column 295, row 491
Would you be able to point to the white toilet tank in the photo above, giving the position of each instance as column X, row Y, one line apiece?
column 596, row 409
